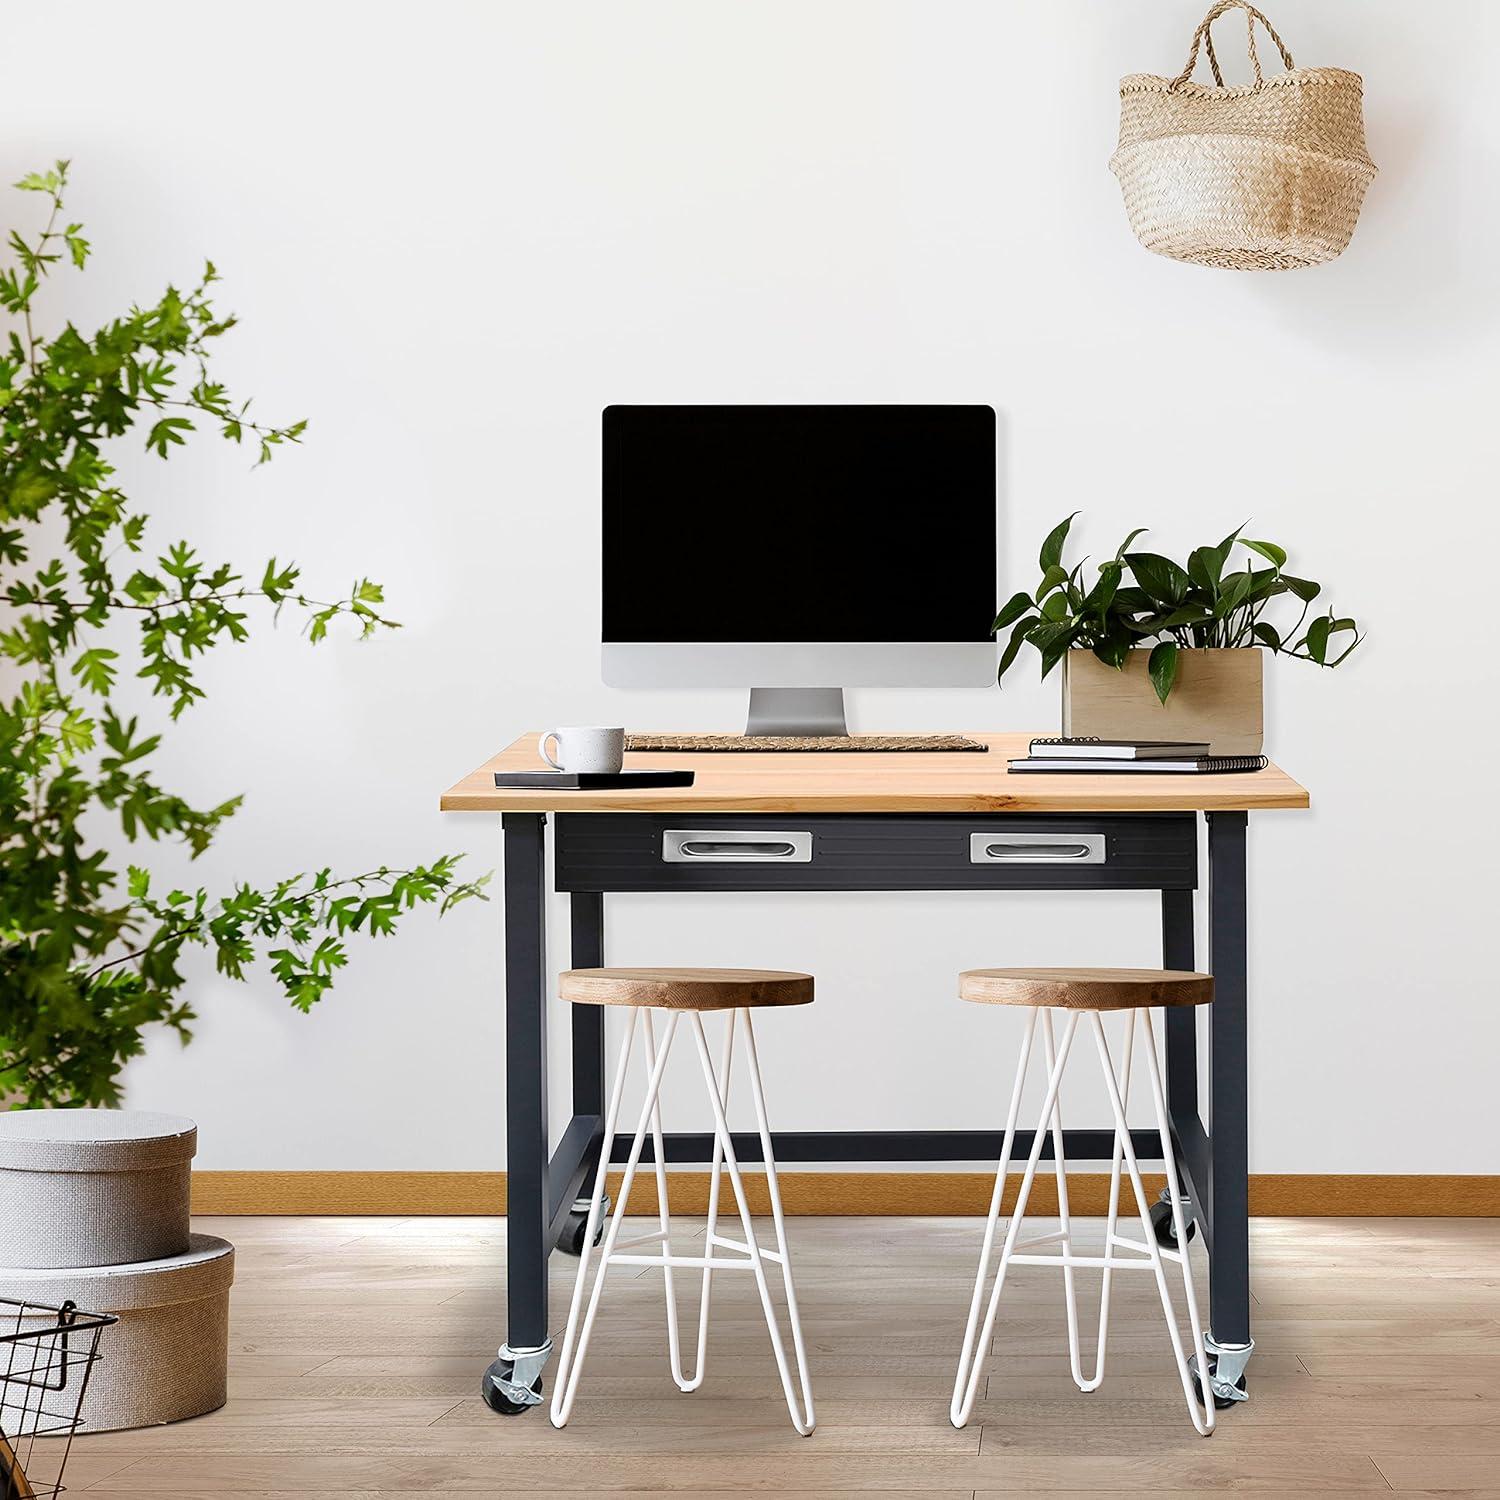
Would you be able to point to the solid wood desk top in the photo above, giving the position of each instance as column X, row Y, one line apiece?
column 874, row 781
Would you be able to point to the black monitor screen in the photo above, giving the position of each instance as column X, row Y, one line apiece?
column 799, row 523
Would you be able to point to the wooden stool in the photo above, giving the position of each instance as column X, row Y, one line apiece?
column 690, row 992
column 1076, row 993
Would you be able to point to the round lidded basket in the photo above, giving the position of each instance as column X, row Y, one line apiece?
column 93, row 1187
column 1265, row 177
column 167, row 1357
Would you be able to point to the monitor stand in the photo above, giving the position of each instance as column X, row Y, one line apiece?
column 796, row 711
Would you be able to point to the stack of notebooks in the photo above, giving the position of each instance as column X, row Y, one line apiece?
column 1178, row 757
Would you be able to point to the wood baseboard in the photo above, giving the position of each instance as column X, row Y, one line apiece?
column 459, row 1194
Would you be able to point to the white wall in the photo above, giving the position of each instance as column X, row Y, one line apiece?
column 455, row 231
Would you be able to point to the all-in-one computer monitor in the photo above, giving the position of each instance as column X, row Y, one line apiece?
column 799, row 550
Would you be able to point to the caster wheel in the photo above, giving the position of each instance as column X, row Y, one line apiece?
column 1221, row 1403
column 1162, row 1227
column 497, row 1387
column 570, row 1241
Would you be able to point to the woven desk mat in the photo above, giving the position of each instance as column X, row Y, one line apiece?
column 841, row 744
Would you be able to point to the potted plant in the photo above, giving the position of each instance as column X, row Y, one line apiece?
column 91, row 955
column 1154, row 649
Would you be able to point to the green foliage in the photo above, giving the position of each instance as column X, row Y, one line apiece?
column 88, row 962
column 1140, row 599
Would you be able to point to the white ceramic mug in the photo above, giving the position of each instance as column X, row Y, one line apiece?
column 587, row 750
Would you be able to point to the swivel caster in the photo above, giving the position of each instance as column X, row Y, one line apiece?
column 1226, row 1373
column 513, row 1382
column 575, row 1227
column 1221, row 1403
column 1164, row 1229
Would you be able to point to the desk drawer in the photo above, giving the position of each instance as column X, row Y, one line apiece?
column 858, row 852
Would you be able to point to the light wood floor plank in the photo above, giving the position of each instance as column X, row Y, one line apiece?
column 357, row 1346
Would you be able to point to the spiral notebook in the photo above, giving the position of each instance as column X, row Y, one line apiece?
column 1196, row 765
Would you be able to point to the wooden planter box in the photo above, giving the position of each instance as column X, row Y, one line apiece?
column 1217, row 698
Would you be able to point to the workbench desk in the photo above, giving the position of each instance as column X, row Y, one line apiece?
column 864, row 821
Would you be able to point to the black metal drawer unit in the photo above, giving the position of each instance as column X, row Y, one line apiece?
column 892, row 852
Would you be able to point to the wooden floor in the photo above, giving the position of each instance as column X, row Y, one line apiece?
column 357, row 1346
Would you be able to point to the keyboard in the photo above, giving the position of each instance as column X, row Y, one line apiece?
column 842, row 743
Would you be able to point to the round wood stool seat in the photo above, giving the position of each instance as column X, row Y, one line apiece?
column 686, row 989
column 1086, row 989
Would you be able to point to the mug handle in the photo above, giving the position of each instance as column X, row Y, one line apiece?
column 541, row 746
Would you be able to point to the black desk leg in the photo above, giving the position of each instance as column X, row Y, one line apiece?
column 1180, row 1023
column 587, row 910
column 1181, row 1020
column 1229, row 1209
column 510, row 1384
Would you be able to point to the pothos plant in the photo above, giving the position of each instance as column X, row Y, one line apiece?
column 1142, row 599
column 90, row 956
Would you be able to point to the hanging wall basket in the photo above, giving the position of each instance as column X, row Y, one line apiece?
column 1266, row 177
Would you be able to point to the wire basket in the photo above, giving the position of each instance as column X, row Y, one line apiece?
column 46, row 1356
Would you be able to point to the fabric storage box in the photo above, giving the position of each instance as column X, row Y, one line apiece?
column 93, row 1187
column 168, row 1356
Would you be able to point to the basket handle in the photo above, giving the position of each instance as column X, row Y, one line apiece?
column 1202, row 37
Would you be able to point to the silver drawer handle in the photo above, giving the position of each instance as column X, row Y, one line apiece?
column 1037, row 849
column 700, row 849
column 731, row 846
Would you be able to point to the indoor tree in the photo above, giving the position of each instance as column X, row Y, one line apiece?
column 90, row 955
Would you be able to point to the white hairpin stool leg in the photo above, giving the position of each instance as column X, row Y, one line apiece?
column 715, row 1179
column 664, row 1220
column 1179, row 1226
column 596, row 1203
column 570, row 1365
column 801, row 1420
column 1112, row 1219
column 963, row 1397
column 1060, row 1169
column 1204, row 1422
column 958, row 1411
column 773, row 1189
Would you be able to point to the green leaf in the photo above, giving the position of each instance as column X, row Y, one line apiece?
column 1055, row 607
column 1205, row 567
column 1304, row 588
column 93, row 669
column 1267, row 634
column 166, row 432
column 1160, row 577
column 1268, row 550
column 1114, row 651
column 1162, row 667
column 1321, row 632
column 1014, row 607
column 1188, row 614
column 1054, row 576
column 1317, row 638
column 1125, row 545
column 1053, row 640
column 1102, row 594
column 1052, row 548
column 1227, row 544
column 1017, row 640
column 1235, row 591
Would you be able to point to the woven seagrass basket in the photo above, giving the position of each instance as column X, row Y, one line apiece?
column 1266, row 177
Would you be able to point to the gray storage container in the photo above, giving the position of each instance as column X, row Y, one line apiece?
column 93, row 1187
column 168, row 1356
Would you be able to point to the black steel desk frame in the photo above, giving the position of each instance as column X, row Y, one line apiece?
column 542, row 1184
